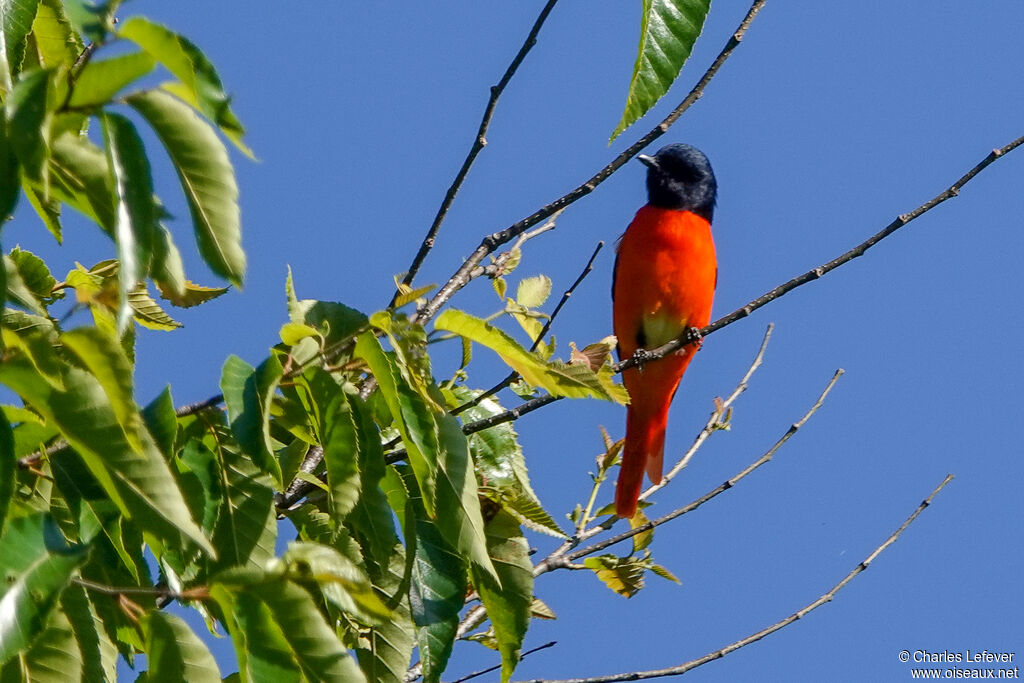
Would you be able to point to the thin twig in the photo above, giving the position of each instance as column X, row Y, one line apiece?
column 491, row 242
column 479, row 142
column 753, row 638
column 555, row 562
column 199, row 593
column 693, row 335
column 489, row 669
column 511, row 377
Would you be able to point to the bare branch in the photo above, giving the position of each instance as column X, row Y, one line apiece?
column 753, row 638
column 488, row 670
column 479, row 142
column 555, row 561
column 495, row 240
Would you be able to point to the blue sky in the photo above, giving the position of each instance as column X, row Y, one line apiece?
column 830, row 119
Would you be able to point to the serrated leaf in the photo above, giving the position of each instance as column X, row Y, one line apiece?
column 191, row 294
column 248, row 394
column 35, row 274
column 385, row 651
column 100, row 80
column 81, row 178
column 278, row 631
column 47, row 208
column 500, row 287
column 105, row 359
column 557, row 378
column 200, row 85
column 147, row 311
column 9, row 180
column 509, row 604
column 644, row 538
column 138, row 481
column 411, row 414
column 17, row 291
column 54, row 37
column 532, row 292
column 174, row 652
column 17, row 22
column 437, row 591
column 28, row 123
column 168, row 270
column 137, row 212
column 35, row 566
column 207, row 178
column 664, row 573
column 342, row 583
column 625, row 576
column 540, row 610
column 668, row 30
column 408, row 294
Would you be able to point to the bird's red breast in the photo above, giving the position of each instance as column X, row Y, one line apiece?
column 665, row 277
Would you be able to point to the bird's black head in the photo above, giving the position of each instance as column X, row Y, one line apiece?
column 680, row 177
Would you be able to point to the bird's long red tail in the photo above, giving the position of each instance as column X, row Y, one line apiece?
column 643, row 451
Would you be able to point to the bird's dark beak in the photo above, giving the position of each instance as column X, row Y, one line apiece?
column 647, row 161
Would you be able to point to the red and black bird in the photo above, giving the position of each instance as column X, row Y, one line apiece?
column 664, row 283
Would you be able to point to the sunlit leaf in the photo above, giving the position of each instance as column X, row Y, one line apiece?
column 54, row 37
column 625, row 576
column 100, row 80
column 508, row 604
column 17, row 22
column 200, row 85
column 174, row 652
column 147, row 312
column 532, row 292
column 668, row 30
column 81, row 178
column 338, row 578
column 207, row 178
column 191, row 294
column 28, row 123
column 136, row 208
column 35, row 566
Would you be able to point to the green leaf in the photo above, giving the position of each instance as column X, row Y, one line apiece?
column 19, row 292
column 147, row 312
column 37, row 344
column 162, row 421
column 532, row 292
column 28, row 123
column 207, row 178
column 279, row 633
column 91, row 643
column 458, row 499
column 508, row 604
column 200, row 477
column 100, row 80
column 138, row 481
column 501, row 466
column 667, row 33
column 168, row 270
column 248, row 393
column 559, row 379
column 91, row 20
column 412, row 416
column 35, row 566
column 8, row 467
column 174, row 652
column 9, row 180
column 437, row 591
column 54, row 37
column 644, row 538
column 385, row 651
column 190, row 295
column 54, row 656
column 624, row 575
column 81, row 178
column 340, row 442
column 48, row 209
column 246, row 524
column 17, row 19
column 136, row 207
column 105, row 359
column 342, row 583
column 35, row 275
column 200, row 85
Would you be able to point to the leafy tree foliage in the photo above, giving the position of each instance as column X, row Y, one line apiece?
column 109, row 509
